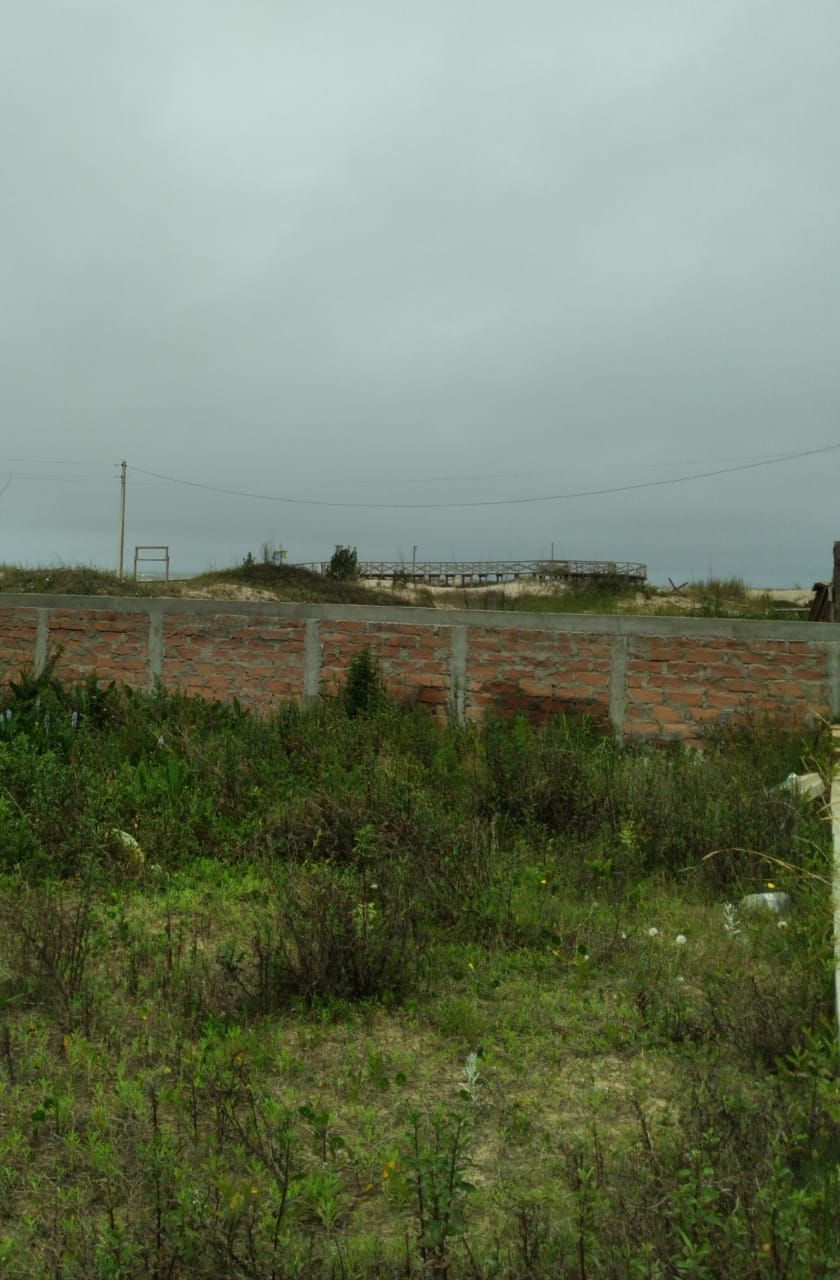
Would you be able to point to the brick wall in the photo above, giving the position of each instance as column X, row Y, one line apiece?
column 677, row 683
column 650, row 678
column 18, row 636
column 538, row 672
column 257, row 660
column 113, row 645
column 414, row 660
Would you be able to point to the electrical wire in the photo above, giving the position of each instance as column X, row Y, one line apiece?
column 625, row 466
column 450, row 479
column 491, row 502
column 55, row 462
column 84, row 479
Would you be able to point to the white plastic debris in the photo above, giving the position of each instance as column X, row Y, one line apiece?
column 808, row 785
column 774, row 900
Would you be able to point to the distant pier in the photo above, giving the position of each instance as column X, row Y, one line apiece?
column 478, row 572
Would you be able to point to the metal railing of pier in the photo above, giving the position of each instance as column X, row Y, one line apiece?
column 462, row 572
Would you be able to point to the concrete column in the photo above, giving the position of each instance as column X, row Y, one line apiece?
column 618, row 686
column 155, row 648
column 834, row 679
column 42, row 640
column 458, row 675
column 835, row 882
column 312, row 662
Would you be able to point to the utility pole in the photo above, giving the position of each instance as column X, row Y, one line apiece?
column 121, row 541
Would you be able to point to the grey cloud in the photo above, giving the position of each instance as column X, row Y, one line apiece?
column 323, row 249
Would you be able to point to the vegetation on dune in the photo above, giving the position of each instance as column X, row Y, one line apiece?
column 348, row 992
column 287, row 582
column 281, row 581
column 65, row 579
column 730, row 597
column 340, row 585
column 712, row 598
column 344, row 564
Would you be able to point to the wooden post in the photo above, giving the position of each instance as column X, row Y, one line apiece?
column 835, row 593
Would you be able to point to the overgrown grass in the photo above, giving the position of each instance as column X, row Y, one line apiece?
column 282, row 582
column 65, row 579
column 712, row 598
column 286, row 582
column 730, row 598
column 596, row 596
column 703, row 599
column 347, row 992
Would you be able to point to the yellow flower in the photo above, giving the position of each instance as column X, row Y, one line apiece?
column 255, row 1191
column 543, row 881
column 470, row 964
column 770, row 884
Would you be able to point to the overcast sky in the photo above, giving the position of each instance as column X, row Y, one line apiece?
column 458, row 251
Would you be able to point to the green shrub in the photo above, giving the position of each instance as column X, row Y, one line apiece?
column 52, row 811
column 364, row 690
column 343, row 566
column 338, row 934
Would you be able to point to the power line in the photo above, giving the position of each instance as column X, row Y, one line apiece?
column 84, row 479
column 448, row 479
column 491, row 502
column 612, row 466
column 56, row 462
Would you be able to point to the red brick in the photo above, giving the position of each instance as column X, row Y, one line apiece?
column 688, row 698
column 18, row 629
column 677, row 732
column 723, row 699
column 667, row 715
column 705, row 715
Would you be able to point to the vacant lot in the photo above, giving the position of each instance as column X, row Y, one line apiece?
column 348, row 993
